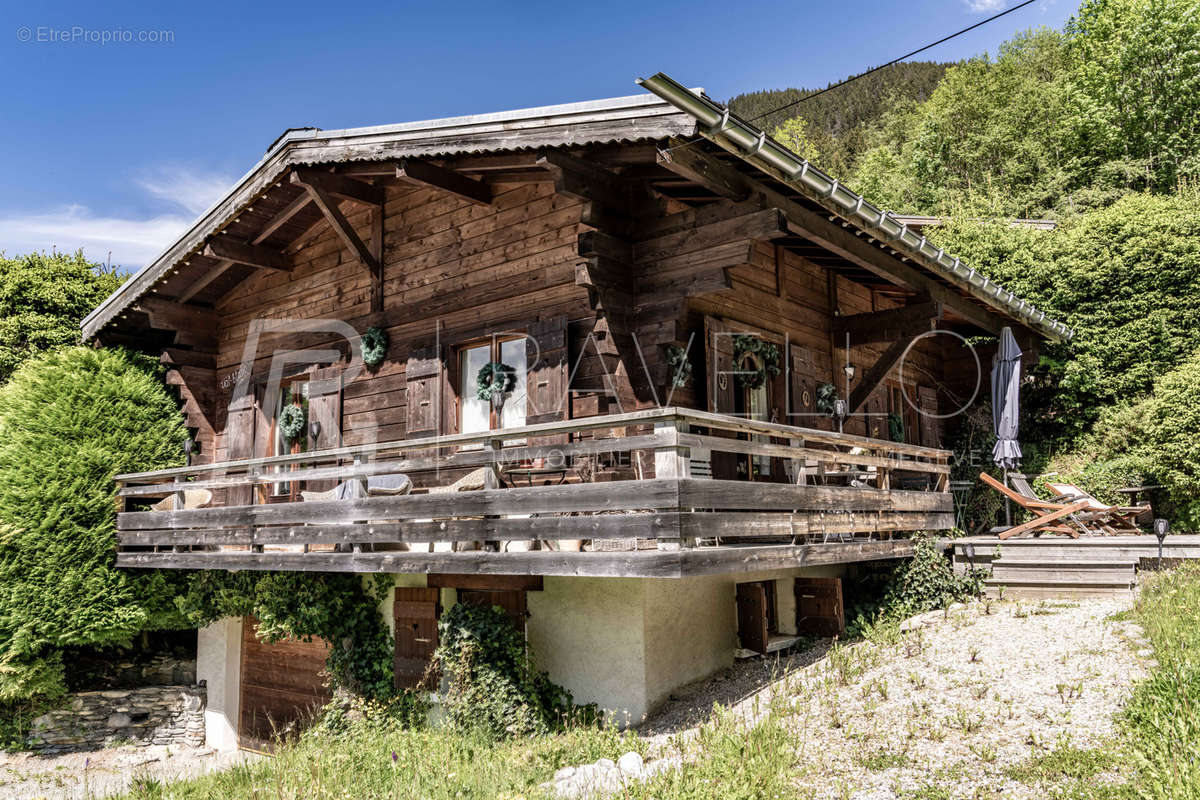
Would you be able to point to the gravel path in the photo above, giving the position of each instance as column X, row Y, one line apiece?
column 945, row 710
column 95, row 774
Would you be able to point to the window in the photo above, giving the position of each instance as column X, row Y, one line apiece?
column 476, row 415
column 292, row 392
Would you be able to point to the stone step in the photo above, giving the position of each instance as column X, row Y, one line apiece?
column 1035, row 588
column 1063, row 571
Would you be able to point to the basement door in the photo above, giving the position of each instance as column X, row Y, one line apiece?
column 415, row 615
column 282, row 686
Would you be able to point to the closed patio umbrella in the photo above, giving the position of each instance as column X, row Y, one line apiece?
column 1006, row 400
column 1006, row 404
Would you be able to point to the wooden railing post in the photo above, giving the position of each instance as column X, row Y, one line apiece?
column 672, row 461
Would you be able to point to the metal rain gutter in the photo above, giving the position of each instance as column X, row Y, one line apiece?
column 753, row 142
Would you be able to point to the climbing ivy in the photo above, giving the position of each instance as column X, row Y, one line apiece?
column 493, row 686
column 340, row 609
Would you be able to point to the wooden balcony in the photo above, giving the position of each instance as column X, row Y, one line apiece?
column 632, row 496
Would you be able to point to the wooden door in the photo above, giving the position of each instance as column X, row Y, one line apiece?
column 752, row 616
column 282, row 687
column 511, row 600
column 819, row 609
column 930, row 425
column 325, row 409
column 416, row 613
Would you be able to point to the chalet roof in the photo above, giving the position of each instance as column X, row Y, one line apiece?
column 676, row 112
column 620, row 119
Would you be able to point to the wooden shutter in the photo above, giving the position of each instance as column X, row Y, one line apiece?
column 875, row 416
column 752, row 616
column 240, row 424
column 415, row 614
column 325, row 407
column 721, row 385
column 423, row 379
column 819, row 608
column 546, row 378
column 930, row 426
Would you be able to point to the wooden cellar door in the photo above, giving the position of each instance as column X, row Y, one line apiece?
column 282, row 686
column 416, row 613
column 819, row 608
column 752, row 616
column 511, row 600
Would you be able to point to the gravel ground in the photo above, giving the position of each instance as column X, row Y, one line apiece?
column 95, row 774
column 961, row 697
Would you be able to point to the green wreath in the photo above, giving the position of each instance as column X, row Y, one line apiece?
column 895, row 427
column 291, row 422
column 374, row 346
column 495, row 380
column 681, row 367
column 827, row 398
column 767, row 355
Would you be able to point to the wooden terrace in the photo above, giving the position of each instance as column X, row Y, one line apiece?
column 816, row 497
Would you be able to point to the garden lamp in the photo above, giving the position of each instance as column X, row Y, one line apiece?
column 1161, row 528
column 189, row 446
column 969, row 552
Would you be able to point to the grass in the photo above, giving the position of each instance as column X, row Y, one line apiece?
column 1161, row 724
column 1157, row 750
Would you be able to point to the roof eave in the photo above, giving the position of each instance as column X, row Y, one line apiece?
column 754, row 146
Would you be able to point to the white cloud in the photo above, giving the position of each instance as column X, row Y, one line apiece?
column 984, row 6
column 184, row 187
column 129, row 242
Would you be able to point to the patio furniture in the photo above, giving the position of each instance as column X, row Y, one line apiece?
column 1113, row 519
column 192, row 498
column 1050, row 517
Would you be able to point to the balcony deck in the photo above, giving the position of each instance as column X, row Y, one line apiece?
column 687, row 523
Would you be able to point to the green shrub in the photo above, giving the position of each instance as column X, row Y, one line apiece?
column 69, row 421
column 43, row 298
column 493, row 686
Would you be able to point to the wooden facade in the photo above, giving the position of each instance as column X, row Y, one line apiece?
column 594, row 247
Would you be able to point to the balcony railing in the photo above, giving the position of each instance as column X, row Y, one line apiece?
column 632, row 494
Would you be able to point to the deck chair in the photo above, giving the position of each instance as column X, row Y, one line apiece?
column 1113, row 519
column 1048, row 517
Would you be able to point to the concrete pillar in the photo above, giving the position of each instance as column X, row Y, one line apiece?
column 219, row 666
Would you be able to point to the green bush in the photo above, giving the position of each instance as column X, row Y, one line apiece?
column 69, row 421
column 922, row 583
column 1124, row 278
column 493, row 686
column 342, row 609
column 43, row 298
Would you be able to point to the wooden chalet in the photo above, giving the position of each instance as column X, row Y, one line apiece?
column 680, row 304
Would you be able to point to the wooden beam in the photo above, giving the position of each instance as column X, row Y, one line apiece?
column 340, row 186
column 204, row 280
column 279, row 220
column 834, row 238
column 342, row 227
column 878, row 372
column 251, row 255
column 522, row 583
column 889, row 325
column 705, row 171
column 586, row 181
column 418, row 171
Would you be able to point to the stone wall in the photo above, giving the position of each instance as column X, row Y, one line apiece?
column 150, row 715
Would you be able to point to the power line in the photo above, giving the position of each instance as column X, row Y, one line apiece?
column 890, row 63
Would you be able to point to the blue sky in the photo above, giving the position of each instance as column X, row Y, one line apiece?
column 115, row 147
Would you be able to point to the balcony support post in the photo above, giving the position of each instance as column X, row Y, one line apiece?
column 672, row 461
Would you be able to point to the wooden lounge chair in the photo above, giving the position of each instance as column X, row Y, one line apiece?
column 1049, row 517
column 1114, row 519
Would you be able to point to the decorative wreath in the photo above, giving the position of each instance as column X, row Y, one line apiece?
column 827, row 399
column 766, row 357
column 291, row 422
column 495, row 380
column 681, row 367
column 374, row 346
column 895, row 427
